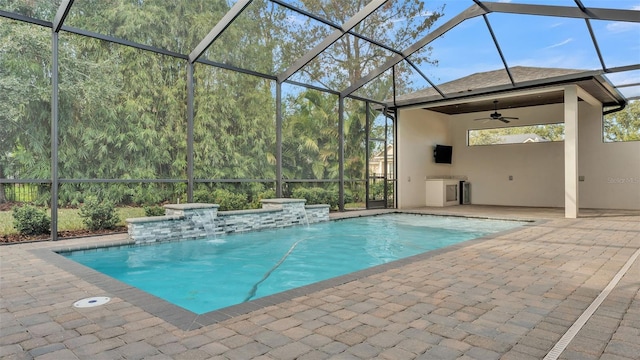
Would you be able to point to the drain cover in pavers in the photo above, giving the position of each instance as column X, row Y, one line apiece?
column 91, row 302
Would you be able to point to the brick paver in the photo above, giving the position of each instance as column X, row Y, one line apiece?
column 508, row 297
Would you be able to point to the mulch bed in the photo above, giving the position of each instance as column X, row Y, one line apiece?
column 6, row 206
column 67, row 234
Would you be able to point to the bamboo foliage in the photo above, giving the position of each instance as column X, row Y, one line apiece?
column 123, row 111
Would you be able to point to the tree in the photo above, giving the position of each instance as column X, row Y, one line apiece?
column 25, row 101
column 346, row 61
column 623, row 125
column 339, row 66
column 122, row 112
column 548, row 132
column 310, row 136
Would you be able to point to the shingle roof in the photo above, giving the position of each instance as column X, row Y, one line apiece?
column 490, row 79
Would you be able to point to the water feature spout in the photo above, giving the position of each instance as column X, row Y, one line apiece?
column 207, row 221
column 303, row 212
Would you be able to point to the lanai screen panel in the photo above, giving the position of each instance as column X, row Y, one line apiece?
column 355, row 124
column 627, row 83
column 618, row 41
column 551, row 42
column 122, row 112
column 234, row 125
column 399, row 23
column 310, row 134
column 411, row 81
column 335, row 12
column 176, row 26
column 381, row 88
column 471, row 40
column 25, row 100
column 342, row 63
column 266, row 38
column 38, row 9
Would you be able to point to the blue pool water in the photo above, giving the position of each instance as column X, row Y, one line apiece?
column 205, row 275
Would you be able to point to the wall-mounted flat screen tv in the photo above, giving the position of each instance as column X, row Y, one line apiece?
column 442, row 154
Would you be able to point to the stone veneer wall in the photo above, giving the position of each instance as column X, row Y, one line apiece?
column 193, row 221
column 181, row 221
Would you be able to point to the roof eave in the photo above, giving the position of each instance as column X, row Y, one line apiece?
column 568, row 79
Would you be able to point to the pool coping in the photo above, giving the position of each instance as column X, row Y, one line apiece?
column 187, row 320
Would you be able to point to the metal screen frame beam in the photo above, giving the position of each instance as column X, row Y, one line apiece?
column 341, row 153
column 495, row 41
column 217, row 30
column 124, row 42
column 61, row 15
column 595, row 44
column 367, row 127
column 236, row 69
column 329, row 40
column 591, row 33
column 190, row 126
column 565, row 11
column 425, row 77
column 24, row 18
column 55, row 76
column 279, row 182
column 622, row 68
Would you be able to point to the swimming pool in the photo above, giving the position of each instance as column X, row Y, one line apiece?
column 210, row 274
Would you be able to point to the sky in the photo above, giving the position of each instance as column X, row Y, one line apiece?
column 538, row 41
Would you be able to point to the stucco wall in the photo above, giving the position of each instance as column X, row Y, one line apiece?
column 537, row 169
column 611, row 170
column 420, row 131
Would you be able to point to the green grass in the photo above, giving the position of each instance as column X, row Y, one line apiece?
column 355, row 205
column 68, row 219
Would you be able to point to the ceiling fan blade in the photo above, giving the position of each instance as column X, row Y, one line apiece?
column 504, row 120
column 510, row 118
column 487, row 118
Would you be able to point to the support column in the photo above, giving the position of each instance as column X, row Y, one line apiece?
column 190, row 126
column 571, row 206
column 278, row 140
column 55, row 181
column 367, row 129
column 341, row 152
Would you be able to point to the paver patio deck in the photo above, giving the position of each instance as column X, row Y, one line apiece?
column 511, row 296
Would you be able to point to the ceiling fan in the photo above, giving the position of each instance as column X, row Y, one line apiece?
column 497, row 116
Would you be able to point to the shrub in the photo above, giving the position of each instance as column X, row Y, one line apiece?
column 230, row 201
column 267, row 194
column 153, row 210
column 29, row 220
column 348, row 196
column 98, row 215
column 225, row 198
column 317, row 195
